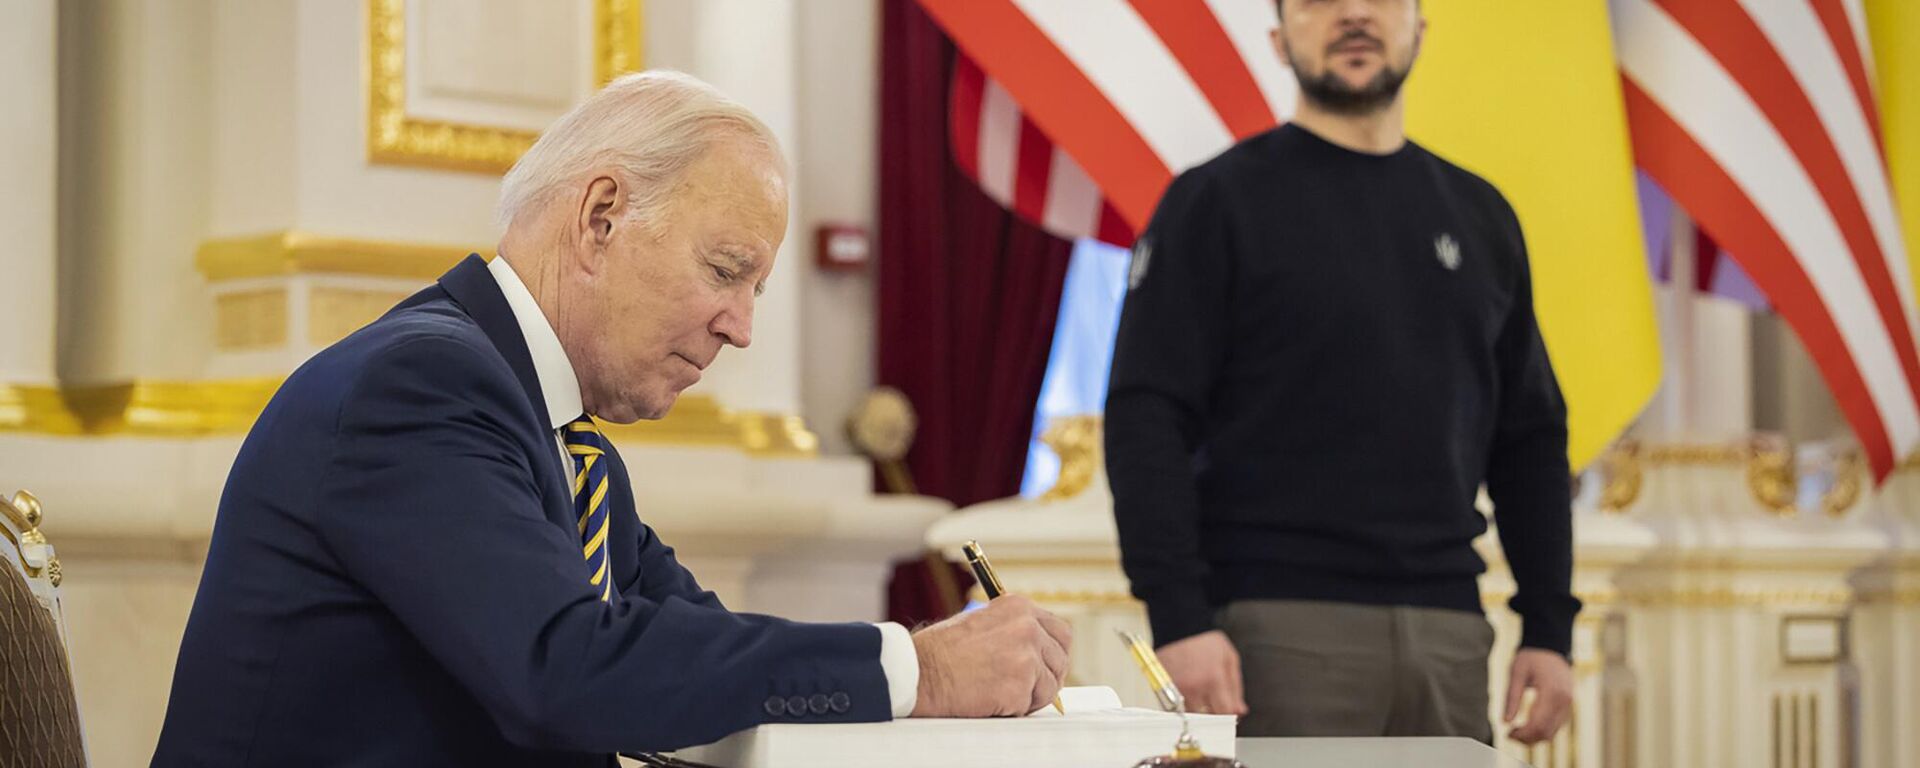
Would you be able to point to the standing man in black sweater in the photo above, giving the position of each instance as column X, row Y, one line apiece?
column 1328, row 346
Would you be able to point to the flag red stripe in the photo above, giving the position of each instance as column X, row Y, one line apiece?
column 963, row 114
column 1057, row 96
column 1114, row 229
column 1032, row 169
column 1698, row 183
column 1193, row 34
column 1834, row 18
column 1725, row 30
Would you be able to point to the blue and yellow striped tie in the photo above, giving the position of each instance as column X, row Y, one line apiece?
column 590, row 503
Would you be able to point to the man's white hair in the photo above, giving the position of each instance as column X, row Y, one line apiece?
column 651, row 125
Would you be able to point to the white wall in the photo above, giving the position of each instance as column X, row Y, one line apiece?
column 839, row 149
column 27, row 190
column 809, row 70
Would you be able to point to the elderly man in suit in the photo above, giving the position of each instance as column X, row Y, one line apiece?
column 427, row 554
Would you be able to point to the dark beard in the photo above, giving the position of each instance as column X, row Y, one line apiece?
column 1332, row 94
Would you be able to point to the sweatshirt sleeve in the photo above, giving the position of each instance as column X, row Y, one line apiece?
column 1527, row 473
column 1168, row 352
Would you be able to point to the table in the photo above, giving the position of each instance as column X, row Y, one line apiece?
column 1377, row 753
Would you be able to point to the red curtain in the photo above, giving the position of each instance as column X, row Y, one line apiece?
column 968, row 293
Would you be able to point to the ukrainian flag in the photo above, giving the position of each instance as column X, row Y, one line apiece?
column 1894, row 28
column 1527, row 95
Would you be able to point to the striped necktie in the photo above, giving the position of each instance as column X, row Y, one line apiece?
column 589, row 451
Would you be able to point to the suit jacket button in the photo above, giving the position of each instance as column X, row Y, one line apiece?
column 776, row 706
column 797, row 705
column 839, row 703
column 817, row 703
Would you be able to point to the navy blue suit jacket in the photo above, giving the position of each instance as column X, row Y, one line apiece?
column 396, row 578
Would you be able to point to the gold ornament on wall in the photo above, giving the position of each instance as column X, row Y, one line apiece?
column 1076, row 440
column 1772, row 476
column 1847, row 473
column 883, row 427
column 1625, row 476
column 396, row 138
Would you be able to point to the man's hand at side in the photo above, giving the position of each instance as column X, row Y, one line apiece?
column 1009, row 658
column 1551, row 679
column 1206, row 669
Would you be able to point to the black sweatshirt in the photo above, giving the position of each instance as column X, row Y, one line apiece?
column 1321, row 357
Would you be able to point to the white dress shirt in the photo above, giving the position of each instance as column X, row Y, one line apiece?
column 562, row 392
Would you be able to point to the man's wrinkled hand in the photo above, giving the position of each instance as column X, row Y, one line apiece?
column 1008, row 658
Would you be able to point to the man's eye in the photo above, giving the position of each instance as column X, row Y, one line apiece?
column 723, row 274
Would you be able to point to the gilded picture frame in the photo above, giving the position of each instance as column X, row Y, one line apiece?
column 396, row 138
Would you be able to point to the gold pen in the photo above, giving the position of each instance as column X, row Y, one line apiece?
column 1186, row 748
column 990, row 584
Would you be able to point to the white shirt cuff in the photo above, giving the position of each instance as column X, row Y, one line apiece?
column 902, row 665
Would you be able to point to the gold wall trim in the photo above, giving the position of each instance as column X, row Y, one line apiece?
column 702, row 420
column 245, row 320
column 291, row 252
column 1910, row 596
column 140, row 408
column 1723, row 597
column 1066, row 596
column 1772, row 472
column 35, row 409
column 394, row 138
column 229, row 407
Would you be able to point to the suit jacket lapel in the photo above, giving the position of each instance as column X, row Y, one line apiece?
column 473, row 287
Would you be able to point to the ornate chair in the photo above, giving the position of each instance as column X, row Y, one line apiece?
column 39, row 718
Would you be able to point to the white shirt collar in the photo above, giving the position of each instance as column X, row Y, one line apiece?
column 550, row 364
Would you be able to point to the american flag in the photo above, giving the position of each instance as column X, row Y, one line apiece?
column 1758, row 117
column 1142, row 90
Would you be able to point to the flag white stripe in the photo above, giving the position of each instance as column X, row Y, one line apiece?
column 999, row 142
column 1115, row 49
column 1857, row 19
column 1796, row 33
column 1709, row 105
column 1073, row 201
column 1248, row 23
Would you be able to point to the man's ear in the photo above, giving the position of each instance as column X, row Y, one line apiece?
column 1279, row 38
column 600, row 208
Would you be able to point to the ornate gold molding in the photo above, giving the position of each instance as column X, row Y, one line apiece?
column 22, row 513
column 1625, row 476
column 395, row 138
column 1067, row 596
column 1772, row 472
column 290, row 252
column 1729, row 597
column 702, row 420
column 618, row 28
column 139, row 408
column 35, row 409
column 1076, row 440
column 245, row 320
column 203, row 408
column 1890, row 597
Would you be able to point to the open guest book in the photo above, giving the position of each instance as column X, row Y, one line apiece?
column 1095, row 732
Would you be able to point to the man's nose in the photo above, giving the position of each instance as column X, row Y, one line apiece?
column 1354, row 11
column 734, row 324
